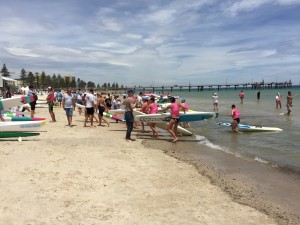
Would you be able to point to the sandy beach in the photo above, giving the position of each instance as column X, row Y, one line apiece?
column 77, row 175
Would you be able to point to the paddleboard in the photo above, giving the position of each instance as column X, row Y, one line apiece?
column 80, row 106
column 164, row 125
column 22, row 126
column 114, row 117
column 255, row 128
column 16, row 118
column 17, row 134
column 7, row 103
column 183, row 117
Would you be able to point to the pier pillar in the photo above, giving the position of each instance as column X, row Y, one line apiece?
column 171, row 89
column 180, row 89
column 153, row 90
column 189, row 88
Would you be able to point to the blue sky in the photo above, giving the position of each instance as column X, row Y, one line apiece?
column 160, row 42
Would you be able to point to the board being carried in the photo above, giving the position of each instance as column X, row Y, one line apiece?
column 183, row 117
column 165, row 125
column 8, row 103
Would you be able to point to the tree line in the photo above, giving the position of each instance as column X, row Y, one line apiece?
column 41, row 81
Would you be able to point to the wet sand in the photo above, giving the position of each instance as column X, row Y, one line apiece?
column 268, row 189
column 76, row 175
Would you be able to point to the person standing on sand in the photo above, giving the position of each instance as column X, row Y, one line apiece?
column 152, row 109
column 101, row 107
column 51, row 99
column 258, row 95
column 173, row 124
column 278, row 100
column 289, row 102
column 68, row 103
column 89, row 107
column 236, row 118
column 143, row 109
column 215, row 101
column 1, row 118
column 184, row 106
column 129, row 104
column 242, row 96
column 33, row 103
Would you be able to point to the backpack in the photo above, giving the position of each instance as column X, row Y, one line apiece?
column 35, row 96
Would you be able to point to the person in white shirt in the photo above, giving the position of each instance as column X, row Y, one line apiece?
column 68, row 103
column 89, row 107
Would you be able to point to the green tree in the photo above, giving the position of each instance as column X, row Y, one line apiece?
column 48, row 81
column 37, row 80
column 43, row 80
column 4, row 71
column 54, row 81
column 31, row 79
column 82, row 84
column 23, row 77
column 91, row 84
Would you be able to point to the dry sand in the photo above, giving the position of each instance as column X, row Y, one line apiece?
column 92, row 176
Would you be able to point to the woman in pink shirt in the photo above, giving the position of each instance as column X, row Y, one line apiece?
column 236, row 118
column 152, row 109
column 143, row 109
column 174, row 119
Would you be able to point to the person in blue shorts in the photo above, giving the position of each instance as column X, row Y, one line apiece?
column 68, row 103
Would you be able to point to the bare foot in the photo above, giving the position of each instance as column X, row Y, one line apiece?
column 175, row 140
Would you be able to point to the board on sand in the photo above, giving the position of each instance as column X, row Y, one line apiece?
column 183, row 117
column 17, row 134
column 22, row 126
column 250, row 128
column 16, row 118
column 164, row 125
column 7, row 103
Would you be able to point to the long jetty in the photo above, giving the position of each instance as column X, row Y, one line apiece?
column 200, row 87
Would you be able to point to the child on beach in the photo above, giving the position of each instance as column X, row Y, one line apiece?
column 242, row 96
column 289, row 102
column 152, row 109
column 236, row 118
column 51, row 99
column 173, row 124
column 278, row 100
column 215, row 101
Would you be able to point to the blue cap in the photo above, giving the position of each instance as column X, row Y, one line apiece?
column 182, row 100
column 130, row 91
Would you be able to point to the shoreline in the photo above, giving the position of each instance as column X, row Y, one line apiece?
column 80, row 175
column 273, row 191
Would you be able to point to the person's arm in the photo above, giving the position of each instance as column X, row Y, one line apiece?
column 63, row 102
column 1, row 118
column 74, row 103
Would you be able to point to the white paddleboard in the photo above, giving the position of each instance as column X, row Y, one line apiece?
column 21, row 126
column 8, row 103
column 164, row 125
column 183, row 117
column 250, row 128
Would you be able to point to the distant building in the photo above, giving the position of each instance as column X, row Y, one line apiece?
column 69, row 79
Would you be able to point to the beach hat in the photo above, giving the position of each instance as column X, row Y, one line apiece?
column 215, row 93
column 49, row 87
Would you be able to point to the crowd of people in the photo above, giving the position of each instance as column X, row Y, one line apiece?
column 91, row 104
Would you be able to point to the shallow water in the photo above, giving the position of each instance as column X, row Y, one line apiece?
column 276, row 148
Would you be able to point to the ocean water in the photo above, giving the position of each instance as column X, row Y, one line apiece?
column 278, row 149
